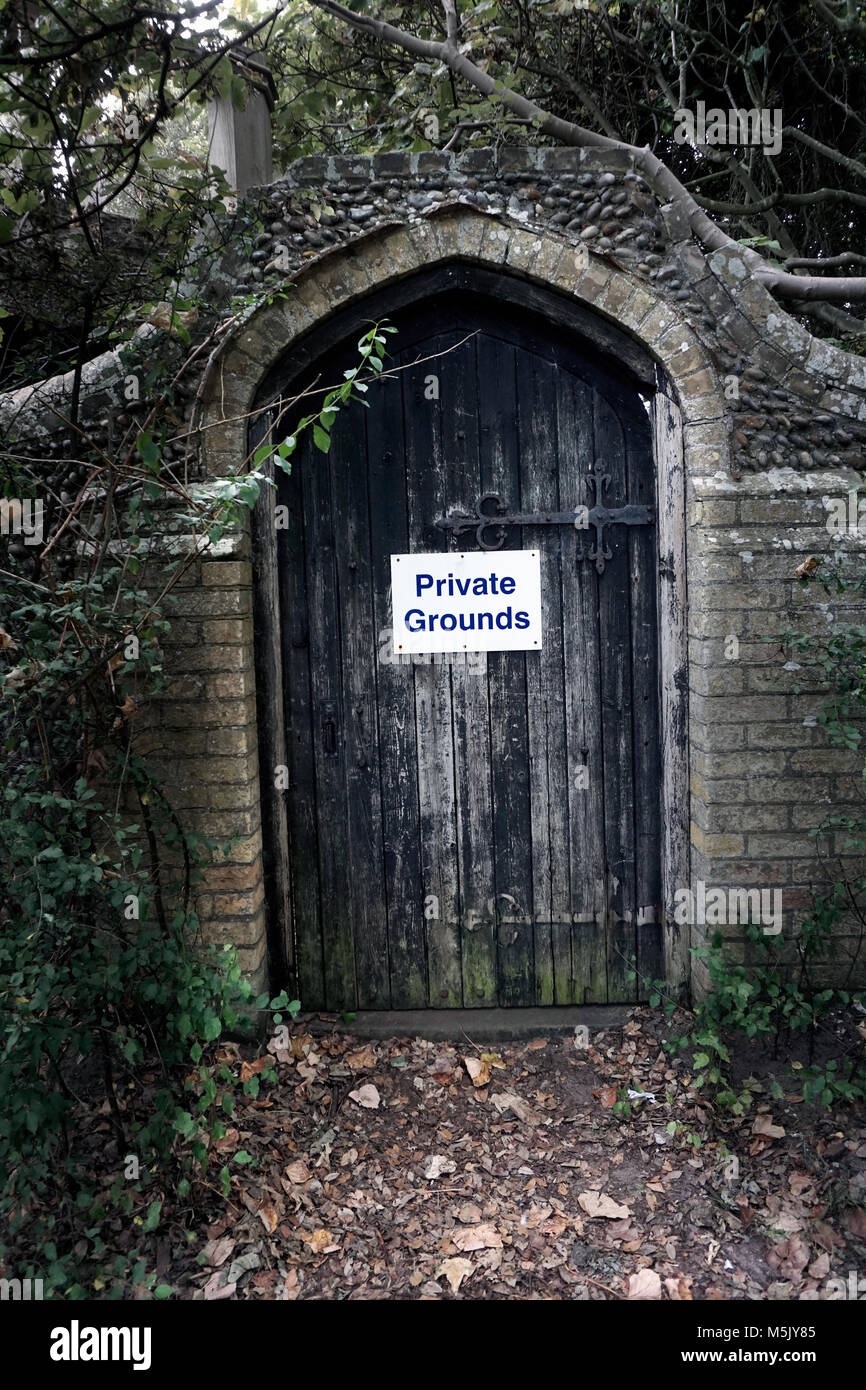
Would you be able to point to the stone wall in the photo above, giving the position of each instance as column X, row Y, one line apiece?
column 774, row 426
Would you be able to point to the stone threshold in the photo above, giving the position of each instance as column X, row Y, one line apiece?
column 480, row 1025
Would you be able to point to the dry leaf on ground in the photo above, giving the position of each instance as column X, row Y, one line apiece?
column 507, row 1100
column 455, row 1271
column 366, row 1096
column 599, row 1204
column 483, row 1237
column 763, row 1125
column 645, row 1284
column 479, row 1072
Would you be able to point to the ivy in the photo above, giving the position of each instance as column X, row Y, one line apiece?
column 112, row 1009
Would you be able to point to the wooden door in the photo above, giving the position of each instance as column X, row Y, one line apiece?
column 474, row 830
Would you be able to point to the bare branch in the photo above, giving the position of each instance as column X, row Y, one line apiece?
column 831, row 317
column 852, row 165
column 823, row 262
column 661, row 179
column 846, row 24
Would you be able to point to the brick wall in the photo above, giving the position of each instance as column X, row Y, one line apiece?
column 763, row 774
column 201, row 740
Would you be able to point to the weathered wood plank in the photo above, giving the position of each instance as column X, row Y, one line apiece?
column 643, row 567
column 329, row 732
column 428, row 474
column 581, row 669
column 271, row 725
column 676, row 849
column 398, row 759
column 617, row 714
column 500, row 472
column 302, row 811
column 358, row 654
column 465, row 404
column 538, row 384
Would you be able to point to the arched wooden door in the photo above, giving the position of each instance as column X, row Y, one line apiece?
column 474, row 830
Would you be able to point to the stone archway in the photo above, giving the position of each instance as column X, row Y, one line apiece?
column 686, row 409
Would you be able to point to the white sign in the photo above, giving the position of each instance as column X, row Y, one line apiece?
column 481, row 601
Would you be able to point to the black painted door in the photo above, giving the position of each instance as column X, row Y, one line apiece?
column 473, row 830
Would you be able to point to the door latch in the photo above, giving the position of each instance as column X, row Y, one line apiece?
column 329, row 732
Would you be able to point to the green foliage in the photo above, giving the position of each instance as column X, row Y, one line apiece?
column 85, row 89
column 112, row 1010
column 769, row 999
column 99, row 963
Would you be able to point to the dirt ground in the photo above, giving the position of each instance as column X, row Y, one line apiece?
column 408, row 1169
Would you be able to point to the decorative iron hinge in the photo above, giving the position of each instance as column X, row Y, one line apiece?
column 492, row 515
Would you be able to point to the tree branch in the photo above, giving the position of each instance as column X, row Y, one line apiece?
column 661, row 179
column 846, row 24
column 831, row 316
column 822, row 262
column 852, row 165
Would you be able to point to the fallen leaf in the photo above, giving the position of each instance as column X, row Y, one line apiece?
column 446, row 1071
column 857, row 1221
column 366, row 1096
column 483, row 1237
column 555, row 1226
column 455, row 1271
column 361, row 1057
column 214, row 1289
column 800, row 1183
column 322, row 1242
column 763, row 1125
column 268, row 1216
column 678, row 1290
column 790, row 1258
column 437, row 1164
column 479, row 1072
column 598, row 1204
column 216, row 1252
column 229, row 1141
column 249, row 1069
column 298, row 1172
column 645, row 1284
column 825, row 1236
column 788, row 1221
column 127, row 709
column 493, row 1059
column 507, row 1100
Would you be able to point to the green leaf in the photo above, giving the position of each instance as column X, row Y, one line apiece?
column 151, row 1221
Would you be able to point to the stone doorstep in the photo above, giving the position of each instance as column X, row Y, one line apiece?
column 481, row 1025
